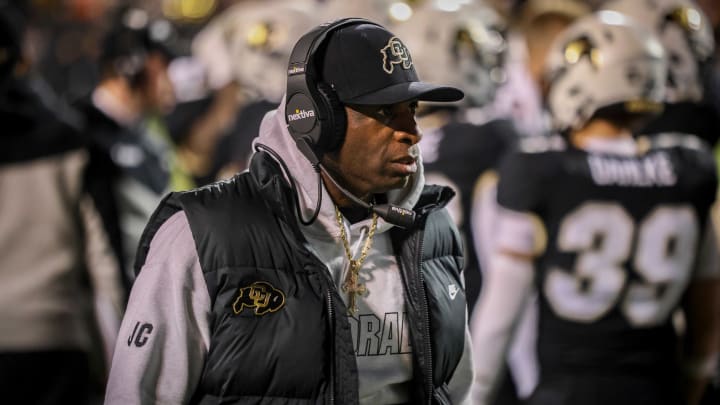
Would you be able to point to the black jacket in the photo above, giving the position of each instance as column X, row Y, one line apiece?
column 270, row 296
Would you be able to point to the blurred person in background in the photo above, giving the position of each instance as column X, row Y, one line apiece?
column 64, row 37
column 133, row 160
column 462, row 142
column 464, row 47
column 246, row 48
column 687, row 35
column 200, row 120
column 60, row 284
column 533, row 24
column 712, row 10
column 328, row 272
column 612, row 233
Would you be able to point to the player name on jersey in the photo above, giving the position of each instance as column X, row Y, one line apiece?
column 651, row 170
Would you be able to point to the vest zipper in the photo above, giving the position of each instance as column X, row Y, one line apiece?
column 331, row 326
column 331, row 320
column 426, row 335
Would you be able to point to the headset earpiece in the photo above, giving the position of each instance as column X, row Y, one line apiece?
column 333, row 131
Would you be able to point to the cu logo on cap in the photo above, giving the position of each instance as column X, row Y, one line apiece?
column 395, row 53
column 259, row 296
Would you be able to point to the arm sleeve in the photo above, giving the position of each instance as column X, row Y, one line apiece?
column 707, row 265
column 517, row 236
column 700, row 339
column 164, row 335
column 516, row 227
column 508, row 283
column 483, row 213
column 105, row 276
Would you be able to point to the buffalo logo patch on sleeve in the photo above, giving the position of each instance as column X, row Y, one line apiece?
column 260, row 296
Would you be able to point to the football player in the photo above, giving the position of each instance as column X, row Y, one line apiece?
column 611, row 233
column 465, row 47
column 533, row 26
column 246, row 48
column 687, row 35
column 462, row 144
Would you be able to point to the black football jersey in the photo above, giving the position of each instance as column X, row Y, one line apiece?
column 458, row 155
column 701, row 120
column 618, row 241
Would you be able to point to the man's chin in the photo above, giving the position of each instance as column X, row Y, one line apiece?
column 394, row 183
column 400, row 182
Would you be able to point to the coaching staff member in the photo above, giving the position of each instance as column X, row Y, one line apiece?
column 327, row 273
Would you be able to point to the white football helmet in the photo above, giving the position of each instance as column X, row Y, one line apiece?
column 251, row 43
column 686, row 34
column 462, row 46
column 603, row 60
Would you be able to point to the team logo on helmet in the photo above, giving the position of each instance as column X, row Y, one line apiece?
column 259, row 296
column 686, row 17
column 582, row 47
column 395, row 53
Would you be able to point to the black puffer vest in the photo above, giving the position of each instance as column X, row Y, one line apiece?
column 277, row 330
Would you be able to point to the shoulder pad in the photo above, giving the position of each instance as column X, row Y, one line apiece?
column 539, row 144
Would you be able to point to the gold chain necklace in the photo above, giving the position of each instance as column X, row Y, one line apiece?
column 352, row 285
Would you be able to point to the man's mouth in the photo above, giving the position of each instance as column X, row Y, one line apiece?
column 406, row 165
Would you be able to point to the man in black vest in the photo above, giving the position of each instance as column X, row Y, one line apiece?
column 327, row 273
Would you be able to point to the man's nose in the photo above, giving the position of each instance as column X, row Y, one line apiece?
column 408, row 131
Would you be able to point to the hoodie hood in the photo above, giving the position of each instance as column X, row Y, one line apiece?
column 275, row 135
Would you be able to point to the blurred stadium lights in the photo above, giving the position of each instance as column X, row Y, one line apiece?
column 188, row 10
column 451, row 5
column 400, row 11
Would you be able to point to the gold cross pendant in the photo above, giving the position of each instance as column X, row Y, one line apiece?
column 353, row 287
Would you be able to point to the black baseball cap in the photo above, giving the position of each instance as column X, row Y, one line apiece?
column 367, row 65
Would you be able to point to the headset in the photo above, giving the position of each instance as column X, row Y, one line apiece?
column 125, row 52
column 315, row 116
column 132, row 38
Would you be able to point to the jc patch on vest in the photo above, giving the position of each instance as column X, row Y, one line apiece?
column 260, row 297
